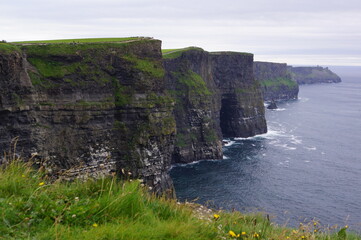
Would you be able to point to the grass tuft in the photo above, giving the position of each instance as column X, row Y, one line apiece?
column 31, row 207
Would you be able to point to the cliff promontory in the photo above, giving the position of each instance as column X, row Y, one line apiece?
column 95, row 108
column 310, row 75
column 276, row 81
column 216, row 96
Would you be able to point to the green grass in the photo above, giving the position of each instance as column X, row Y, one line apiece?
column 175, row 53
column 82, row 40
column 149, row 66
column 278, row 82
column 6, row 48
column 31, row 207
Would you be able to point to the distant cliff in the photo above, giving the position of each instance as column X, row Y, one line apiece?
column 276, row 81
column 310, row 75
column 216, row 96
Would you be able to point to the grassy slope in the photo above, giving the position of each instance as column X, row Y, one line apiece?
column 174, row 53
column 33, row 208
column 82, row 40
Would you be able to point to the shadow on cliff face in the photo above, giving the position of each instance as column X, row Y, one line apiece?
column 227, row 114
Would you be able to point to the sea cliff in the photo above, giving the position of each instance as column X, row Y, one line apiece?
column 96, row 108
column 310, row 75
column 216, row 96
column 276, row 81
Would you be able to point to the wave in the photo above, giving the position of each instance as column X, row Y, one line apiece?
column 271, row 134
column 228, row 143
column 310, row 148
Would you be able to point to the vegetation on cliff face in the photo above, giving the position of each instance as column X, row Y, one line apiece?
column 6, row 48
column 33, row 207
column 174, row 53
column 277, row 82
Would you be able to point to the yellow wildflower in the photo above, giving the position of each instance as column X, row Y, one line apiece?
column 41, row 184
column 95, row 225
column 315, row 230
column 315, row 223
column 303, row 237
column 346, row 226
column 232, row 234
column 256, row 235
column 216, row 216
column 244, row 233
column 23, row 176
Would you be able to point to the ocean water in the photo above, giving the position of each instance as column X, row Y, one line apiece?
column 308, row 165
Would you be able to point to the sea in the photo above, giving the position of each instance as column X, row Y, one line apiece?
column 307, row 167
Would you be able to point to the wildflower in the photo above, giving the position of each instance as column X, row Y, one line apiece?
column 41, row 184
column 216, row 216
column 95, row 225
column 303, row 237
column 315, row 223
column 315, row 231
column 232, row 234
column 346, row 226
column 73, row 216
column 23, row 176
column 256, row 235
column 76, row 198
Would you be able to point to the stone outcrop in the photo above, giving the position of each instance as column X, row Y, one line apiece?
column 310, row 75
column 276, row 81
column 93, row 108
column 216, row 96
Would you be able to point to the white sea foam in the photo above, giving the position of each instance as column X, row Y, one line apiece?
column 229, row 143
column 295, row 140
column 225, row 157
column 310, row 148
column 271, row 134
column 279, row 109
column 285, row 146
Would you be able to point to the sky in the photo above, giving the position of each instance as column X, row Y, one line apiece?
column 297, row 32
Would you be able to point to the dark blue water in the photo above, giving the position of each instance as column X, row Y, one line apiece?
column 308, row 166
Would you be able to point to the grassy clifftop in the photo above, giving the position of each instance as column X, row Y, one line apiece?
column 31, row 207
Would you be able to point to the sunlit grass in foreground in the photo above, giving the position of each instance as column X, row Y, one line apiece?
column 31, row 207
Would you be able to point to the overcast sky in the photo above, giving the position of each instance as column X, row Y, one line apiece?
column 308, row 32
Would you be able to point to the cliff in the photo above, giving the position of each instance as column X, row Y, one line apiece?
column 94, row 107
column 310, row 75
column 276, row 81
column 89, row 108
column 216, row 96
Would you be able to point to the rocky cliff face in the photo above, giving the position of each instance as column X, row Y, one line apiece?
column 95, row 108
column 216, row 96
column 310, row 75
column 276, row 81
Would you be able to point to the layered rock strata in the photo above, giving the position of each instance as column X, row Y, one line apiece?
column 94, row 108
column 276, row 81
column 216, row 96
